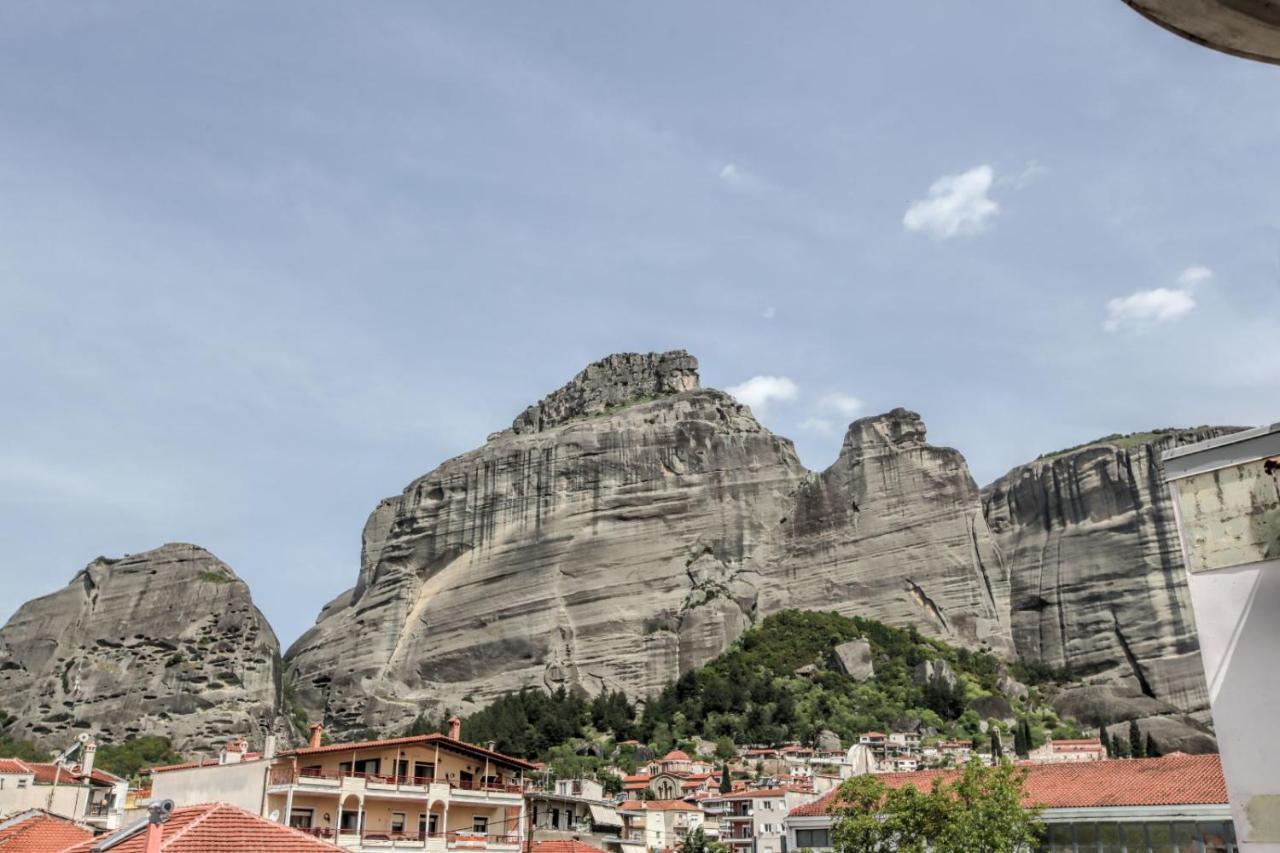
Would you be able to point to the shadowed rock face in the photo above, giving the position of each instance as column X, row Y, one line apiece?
column 626, row 529
column 166, row 642
column 1095, row 567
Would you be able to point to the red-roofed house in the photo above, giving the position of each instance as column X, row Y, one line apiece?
column 657, row 824
column 1143, row 804
column 38, row 831
column 432, row 789
column 1059, row 751
column 208, row 828
column 754, row 820
column 571, row 845
column 74, row 791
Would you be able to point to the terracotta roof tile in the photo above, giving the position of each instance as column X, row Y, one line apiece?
column 46, row 772
column 40, row 832
column 1172, row 780
column 218, row 828
column 657, row 806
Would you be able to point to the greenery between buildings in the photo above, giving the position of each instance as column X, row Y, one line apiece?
column 979, row 810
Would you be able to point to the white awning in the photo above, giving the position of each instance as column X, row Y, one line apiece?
column 604, row 816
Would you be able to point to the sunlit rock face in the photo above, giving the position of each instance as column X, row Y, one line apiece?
column 167, row 642
column 1096, row 575
column 626, row 529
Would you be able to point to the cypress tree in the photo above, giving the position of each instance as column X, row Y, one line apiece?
column 1107, row 745
column 1151, row 750
column 1135, row 740
column 726, row 785
column 996, row 752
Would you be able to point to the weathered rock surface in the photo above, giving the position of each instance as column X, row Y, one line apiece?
column 934, row 672
column 166, row 642
column 854, row 658
column 1097, row 584
column 626, row 529
column 1171, row 733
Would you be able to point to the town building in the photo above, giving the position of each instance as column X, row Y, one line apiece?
column 426, row 792
column 654, row 825
column 38, row 831
column 1060, row 751
column 574, row 809
column 754, row 821
column 1143, row 805
column 207, row 828
column 563, row 846
column 78, row 792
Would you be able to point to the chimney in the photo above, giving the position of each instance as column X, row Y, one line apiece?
column 317, row 729
column 269, row 746
column 86, row 758
column 492, row 746
column 157, row 815
column 455, row 727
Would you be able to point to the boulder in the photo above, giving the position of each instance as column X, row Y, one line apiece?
column 854, row 659
column 1104, row 704
column 828, row 741
column 934, row 672
column 992, row 707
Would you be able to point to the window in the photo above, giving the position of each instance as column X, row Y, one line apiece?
column 398, row 820
column 368, row 765
column 480, row 824
column 301, row 818
column 22, row 783
column 813, row 838
column 423, row 772
column 427, row 825
column 350, row 820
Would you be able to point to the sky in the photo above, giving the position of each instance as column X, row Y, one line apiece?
column 262, row 265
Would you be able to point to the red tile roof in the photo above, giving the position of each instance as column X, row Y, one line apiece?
column 40, row 832
column 657, row 806
column 754, row 792
column 414, row 740
column 676, row 755
column 1172, row 780
column 570, row 846
column 218, row 828
column 46, row 772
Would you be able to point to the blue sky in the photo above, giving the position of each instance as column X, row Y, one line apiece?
column 264, row 264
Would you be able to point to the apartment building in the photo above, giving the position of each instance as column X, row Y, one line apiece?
column 78, row 792
column 654, row 825
column 754, row 821
column 427, row 792
column 574, row 809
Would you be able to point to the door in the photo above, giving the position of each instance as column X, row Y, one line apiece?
column 350, row 820
column 423, row 772
column 465, row 779
column 301, row 818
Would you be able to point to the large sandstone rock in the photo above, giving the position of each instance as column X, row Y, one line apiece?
column 854, row 659
column 626, row 529
column 167, row 642
column 1096, row 573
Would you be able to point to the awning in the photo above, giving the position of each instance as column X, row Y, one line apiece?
column 604, row 816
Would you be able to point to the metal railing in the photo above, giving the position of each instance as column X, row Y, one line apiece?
column 459, row 839
column 286, row 775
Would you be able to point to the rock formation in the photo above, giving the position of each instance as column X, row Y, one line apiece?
column 854, row 659
column 1097, row 584
column 166, row 642
column 626, row 529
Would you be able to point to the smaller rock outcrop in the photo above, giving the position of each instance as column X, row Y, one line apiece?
column 934, row 672
column 828, row 741
column 166, row 642
column 854, row 659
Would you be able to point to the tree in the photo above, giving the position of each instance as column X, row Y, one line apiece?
column 129, row 758
column 725, row 748
column 1136, row 746
column 1107, row 745
column 726, row 784
column 997, row 752
column 697, row 842
column 981, row 811
column 1151, row 750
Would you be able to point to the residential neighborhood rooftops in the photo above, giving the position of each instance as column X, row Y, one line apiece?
column 657, row 806
column 211, row 828
column 38, row 831
column 46, row 773
column 1167, row 781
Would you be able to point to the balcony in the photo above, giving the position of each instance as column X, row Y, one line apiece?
column 283, row 777
column 382, row 839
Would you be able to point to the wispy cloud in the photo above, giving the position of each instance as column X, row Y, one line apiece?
column 958, row 205
column 816, row 424
column 838, row 403
column 739, row 178
column 759, row 392
column 1025, row 176
column 1143, row 309
column 769, row 313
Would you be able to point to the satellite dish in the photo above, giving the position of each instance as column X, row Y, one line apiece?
column 275, row 816
column 83, row 737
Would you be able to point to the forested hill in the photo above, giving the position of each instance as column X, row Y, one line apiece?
column 783, row 681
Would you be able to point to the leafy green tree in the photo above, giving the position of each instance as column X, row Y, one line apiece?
column 981, row 811
column 23, row 749
column 130, row 758
column 697, row 842
column 725, row 748
column 1137, row 742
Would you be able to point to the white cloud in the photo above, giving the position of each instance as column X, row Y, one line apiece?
column 769, row 313
column 957, row 205
column 759, row 391
column 839, row 404
column 1192, row 276
column 821, row 425
column 1022, row 179
column 738, row 178
column 1146, row 308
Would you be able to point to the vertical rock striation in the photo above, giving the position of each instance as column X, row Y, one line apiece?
column 166, row 642
column 627, row 528
column 1097, row 583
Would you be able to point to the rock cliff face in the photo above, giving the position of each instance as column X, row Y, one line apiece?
column 165, row 642
column 1097, row 583
column 627, row 528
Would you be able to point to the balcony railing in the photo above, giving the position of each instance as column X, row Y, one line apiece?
column 285, row 775
column 459, row 839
